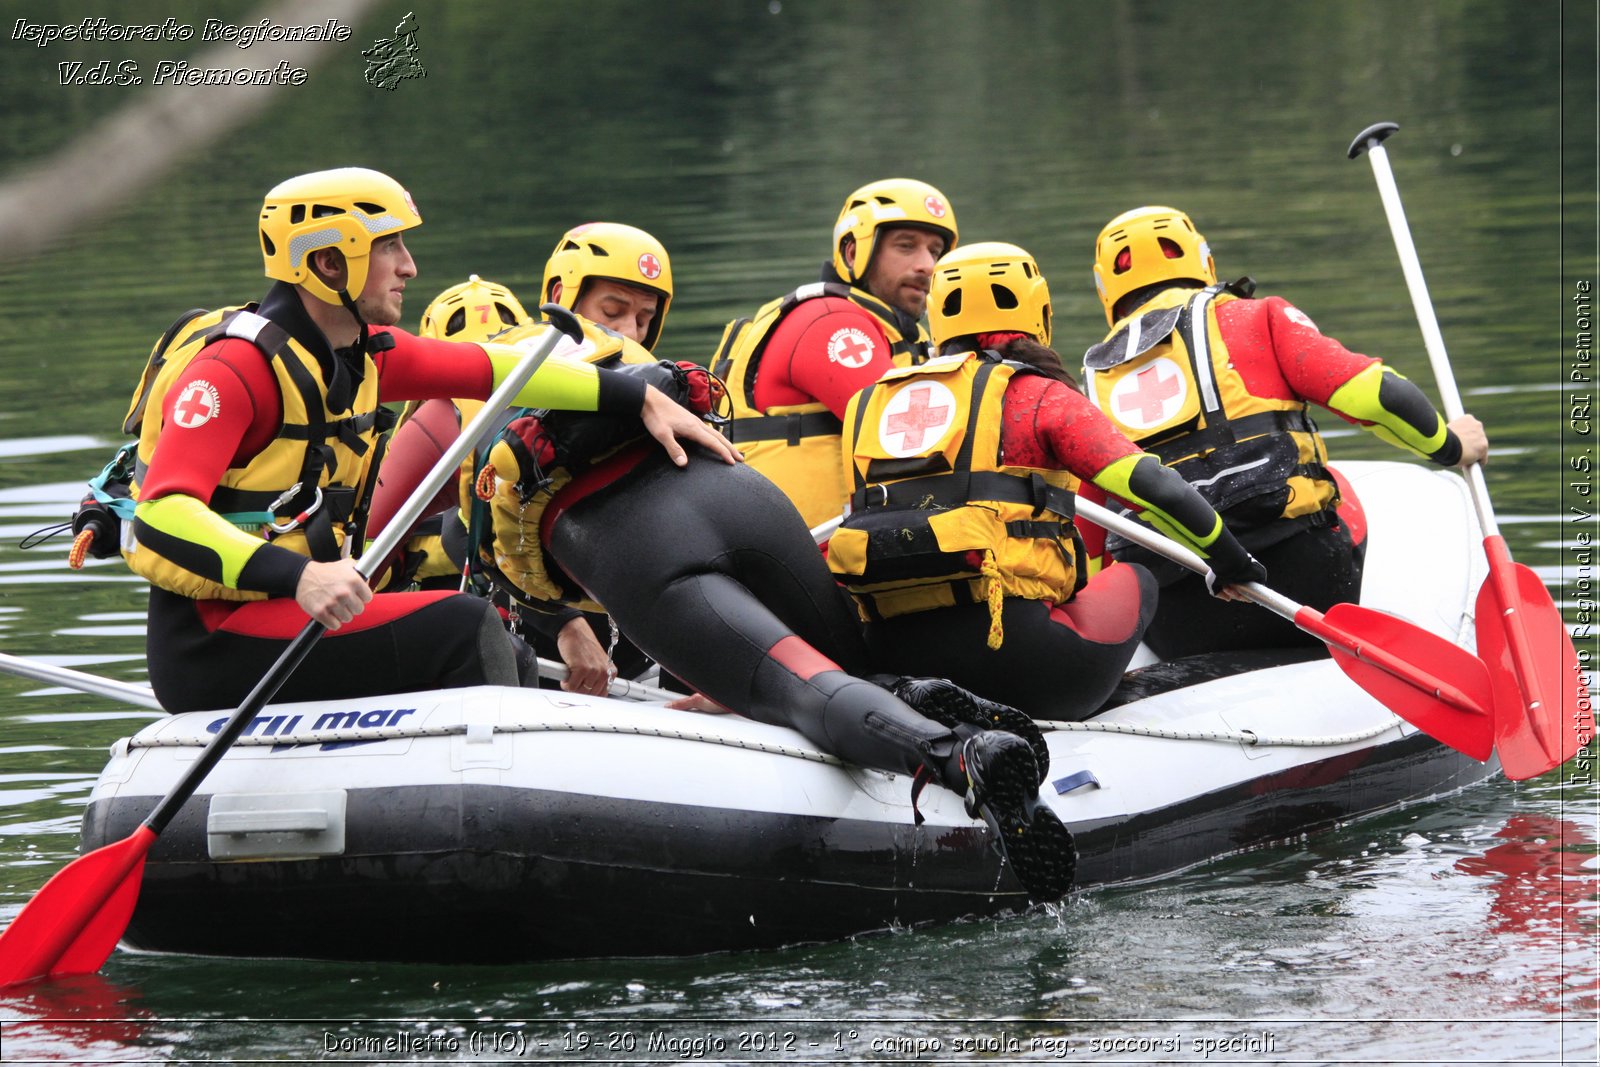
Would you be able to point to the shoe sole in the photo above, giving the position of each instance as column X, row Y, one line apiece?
column 1030, row 836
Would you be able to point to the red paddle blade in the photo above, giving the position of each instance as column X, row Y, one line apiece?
column 76, row 919
column 1542, row 711
column 1440, row 688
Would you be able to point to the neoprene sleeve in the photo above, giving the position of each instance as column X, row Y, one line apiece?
column 1393, row 408
column 567, row 384
column 190, row 534
column 1173, row 506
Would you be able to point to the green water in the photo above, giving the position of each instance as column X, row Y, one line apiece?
column 732, row 130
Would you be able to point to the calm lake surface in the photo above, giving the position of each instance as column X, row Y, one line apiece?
column 1460, row 930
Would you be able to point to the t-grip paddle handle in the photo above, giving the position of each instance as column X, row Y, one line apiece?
column 1371, row 137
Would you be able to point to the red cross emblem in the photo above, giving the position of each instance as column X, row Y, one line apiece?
column 196, row 405
column 935, row 206
column 650, row 266
column 912, row 413
column 1146, row 398
column 851, row 348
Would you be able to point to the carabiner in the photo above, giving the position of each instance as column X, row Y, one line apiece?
column 285, row 527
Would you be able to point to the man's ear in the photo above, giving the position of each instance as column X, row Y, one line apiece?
column 847, row 250
column 328, row 263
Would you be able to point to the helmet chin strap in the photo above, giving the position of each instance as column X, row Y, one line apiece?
column 363, row 335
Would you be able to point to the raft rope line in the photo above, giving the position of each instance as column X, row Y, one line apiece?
column 1248, row 738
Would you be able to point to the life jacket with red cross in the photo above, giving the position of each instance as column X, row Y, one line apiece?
column 1165, row 378
column 797, row 445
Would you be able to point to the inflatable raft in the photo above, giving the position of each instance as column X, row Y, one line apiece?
column 497, row 825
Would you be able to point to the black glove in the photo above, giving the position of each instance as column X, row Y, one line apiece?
column 1235, row 572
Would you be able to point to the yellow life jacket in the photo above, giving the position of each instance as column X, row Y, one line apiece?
column 321, row 461
column 507, row 490
column 797, row 445
column 1168, row 383
column 936, row 517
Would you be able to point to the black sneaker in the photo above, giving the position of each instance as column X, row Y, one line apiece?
column 947, row 704
column 1003, row 789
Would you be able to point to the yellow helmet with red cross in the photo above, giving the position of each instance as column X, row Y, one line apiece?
column 885, row 205
column 614, row 252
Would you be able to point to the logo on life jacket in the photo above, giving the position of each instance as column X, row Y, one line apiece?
column 916, row 418
column 197, row 405
column 1151, row 396
column 1300, row 318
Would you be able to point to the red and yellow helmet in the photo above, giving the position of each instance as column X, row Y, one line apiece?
column 473, row 310
column 347, row 208
column 888, row 203
column 989, row 287
column 616, row 253
column 1145, row 246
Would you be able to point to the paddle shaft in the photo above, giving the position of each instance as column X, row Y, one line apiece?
column 620, row 687
column 824, row 530
column 88, row 683
column 1306, row 618
column 376, row 552
column 1422, row 303
column 1500, row 573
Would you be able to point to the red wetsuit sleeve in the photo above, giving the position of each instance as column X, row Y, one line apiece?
column 221, row 411
column 826, row 350
column 1050, row 425
column 1281, row 354
column 423, row 368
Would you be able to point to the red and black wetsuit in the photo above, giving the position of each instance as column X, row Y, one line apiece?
column 209, row 653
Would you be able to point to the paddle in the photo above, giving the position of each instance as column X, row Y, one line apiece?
column 1401, row 664
column 78, row 916
column 1533, row 664
column 88, row 683
column 142, row 696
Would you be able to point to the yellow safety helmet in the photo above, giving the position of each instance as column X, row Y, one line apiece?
column 614, row 252
column 473, row 310
column 988, row 287
column 1145, row 246
column 891, row 202
column 347, row 208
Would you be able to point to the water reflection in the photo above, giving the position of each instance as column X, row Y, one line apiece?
column 1545, row 883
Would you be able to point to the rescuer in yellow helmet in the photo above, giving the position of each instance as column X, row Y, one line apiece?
column 1218, row 384
column 792, row 367
column 257, row 457
column 617, row 278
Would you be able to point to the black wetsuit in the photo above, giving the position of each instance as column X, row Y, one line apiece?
column 712, row 572
column 1319, row 567
column 1057, row 661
